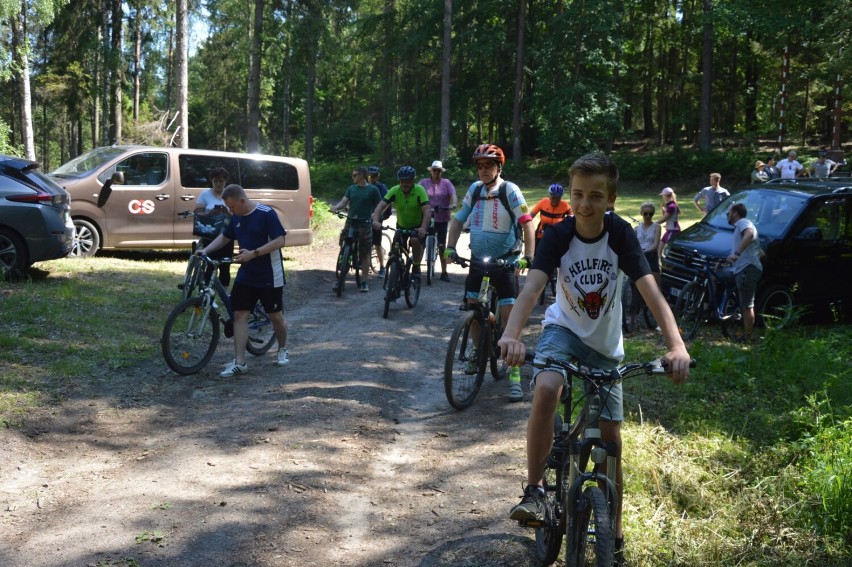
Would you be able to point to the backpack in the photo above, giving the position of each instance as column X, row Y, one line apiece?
column 504, row 200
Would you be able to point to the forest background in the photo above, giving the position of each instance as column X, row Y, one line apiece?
column 702, row 85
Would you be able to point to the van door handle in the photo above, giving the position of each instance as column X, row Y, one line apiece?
column 161, row 197
column 187, row 197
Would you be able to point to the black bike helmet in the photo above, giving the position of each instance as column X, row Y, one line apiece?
column 373, row 170
column 406, row 172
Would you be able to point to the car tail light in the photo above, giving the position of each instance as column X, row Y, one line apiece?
column 311, row 207
column 40, row 198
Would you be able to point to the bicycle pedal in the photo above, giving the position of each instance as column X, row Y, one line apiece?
column 530, row 523
column 180, row 286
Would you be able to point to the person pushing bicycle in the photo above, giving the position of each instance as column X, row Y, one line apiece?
column 412, row 212
column 261, row 275
column 590, row 250
column 361, row 197
column 499, row 223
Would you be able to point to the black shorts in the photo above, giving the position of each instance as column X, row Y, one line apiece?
column 440, row 230
column 377, row 237
column 504, row 281
column 653, row 261
column 245, row 297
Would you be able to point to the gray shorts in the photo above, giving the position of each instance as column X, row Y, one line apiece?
column 747, row 285
column 560, row 342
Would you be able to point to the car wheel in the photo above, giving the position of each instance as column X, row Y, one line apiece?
column 13, row 253
column 775, row 306
column 87, row 240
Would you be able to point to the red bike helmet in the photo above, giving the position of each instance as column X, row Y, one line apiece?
column 490, row 151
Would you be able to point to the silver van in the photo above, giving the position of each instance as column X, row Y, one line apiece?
column 129, row 197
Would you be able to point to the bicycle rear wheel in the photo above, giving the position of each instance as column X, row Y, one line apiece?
column 687, row 309
column 355, row 260
column 593, row 539
column 343, row 267
column 431, row 256
column 391, row 285
column 732, row 315
column 460, row 384
column 548, row 536
column 189, row 337
column 261, row 332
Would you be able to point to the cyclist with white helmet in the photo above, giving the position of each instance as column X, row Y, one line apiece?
column 412, row 212
column 499, row 222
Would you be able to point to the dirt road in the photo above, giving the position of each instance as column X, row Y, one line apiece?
column 350, row 455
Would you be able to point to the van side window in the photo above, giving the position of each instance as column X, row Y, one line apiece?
column 144, row 169
column 194, row 169
column 262, row 174
column 831, row 218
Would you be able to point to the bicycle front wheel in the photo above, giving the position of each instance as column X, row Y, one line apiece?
column 391, row 285
column 193, row 276
column 356, row 264
column 464, row 366
column 412, row 292
column 593, row 538
column 687, row 309
column 261, row 332
column 431, row 256
column 189, row 337
column 342, row 267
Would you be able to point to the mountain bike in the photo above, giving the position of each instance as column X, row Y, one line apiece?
column 467, row 357
column 431, row 247
column 707, row 298
column 635, row 312
column 580, row 500
column 349, row 257
column 191, row 332
column 398, row 278
column 375, row 265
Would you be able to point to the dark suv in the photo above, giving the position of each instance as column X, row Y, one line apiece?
column 35, row 217
column 805, row 230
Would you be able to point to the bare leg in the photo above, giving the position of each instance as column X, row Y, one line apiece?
column 240, row 335
column 548, row 386
column 279, row 323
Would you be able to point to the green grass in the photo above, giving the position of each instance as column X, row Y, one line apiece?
column 747, row 463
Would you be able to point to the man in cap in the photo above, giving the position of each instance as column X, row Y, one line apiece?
column 822, row 167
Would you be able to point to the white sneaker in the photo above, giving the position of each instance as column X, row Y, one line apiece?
column 234, row 369
column 283, row 357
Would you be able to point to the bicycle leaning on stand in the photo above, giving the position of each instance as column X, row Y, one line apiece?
column 580, row 500
column 349, row 257
column 708, row 298
column 191, row 332
column 468, row 356
column 398, row 279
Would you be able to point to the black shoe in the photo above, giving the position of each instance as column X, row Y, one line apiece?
column 531, row 506
column 229, row 329
column 445, row 277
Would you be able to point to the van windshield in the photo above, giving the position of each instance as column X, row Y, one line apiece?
column 770, row 211
column 89, row 161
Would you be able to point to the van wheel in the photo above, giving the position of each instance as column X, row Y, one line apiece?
column 87, row 240
column 775, row 306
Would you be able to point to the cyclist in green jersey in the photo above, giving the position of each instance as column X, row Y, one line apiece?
column 412, row 211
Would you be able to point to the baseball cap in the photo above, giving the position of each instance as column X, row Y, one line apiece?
column 667, row 191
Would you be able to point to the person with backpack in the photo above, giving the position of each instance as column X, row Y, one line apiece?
column 499, row 227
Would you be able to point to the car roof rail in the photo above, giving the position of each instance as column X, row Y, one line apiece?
column 844, row 189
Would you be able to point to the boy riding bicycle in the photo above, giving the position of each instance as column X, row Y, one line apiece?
column 589, row 250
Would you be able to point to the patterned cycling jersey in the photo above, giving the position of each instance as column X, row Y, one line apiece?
column 492, row 232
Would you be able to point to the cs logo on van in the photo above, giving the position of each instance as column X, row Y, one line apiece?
column 137, row 207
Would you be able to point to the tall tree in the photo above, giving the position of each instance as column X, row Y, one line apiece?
column 519, row 85
column 253, row 95
column 116, row 74
column 181, row 139
column 446, row 56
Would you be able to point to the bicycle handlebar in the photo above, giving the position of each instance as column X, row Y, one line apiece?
column 402, row 231
column 599, row 376
column 342, row 215
column 215, row 261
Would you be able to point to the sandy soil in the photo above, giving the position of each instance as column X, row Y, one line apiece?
column 350, row 455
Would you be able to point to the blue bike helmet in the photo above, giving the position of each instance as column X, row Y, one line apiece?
column 556, row 189
column 406, row 172
column 373, row 170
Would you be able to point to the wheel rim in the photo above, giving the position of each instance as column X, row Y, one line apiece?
column 777, row 308
column 84, row 241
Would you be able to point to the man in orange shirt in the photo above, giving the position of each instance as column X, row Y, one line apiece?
column 553, row 209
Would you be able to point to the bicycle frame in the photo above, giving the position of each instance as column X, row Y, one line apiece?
column 707, row 277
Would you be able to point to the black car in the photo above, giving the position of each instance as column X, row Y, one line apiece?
column 35, row 216
column 805, row 231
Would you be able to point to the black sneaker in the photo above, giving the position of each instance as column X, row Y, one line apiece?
column 531, row 506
